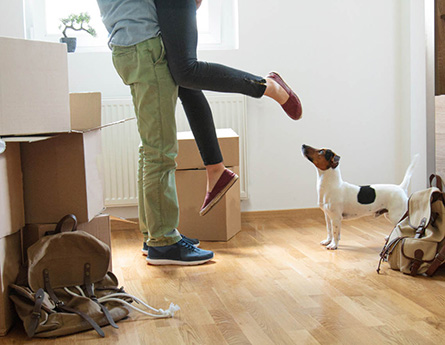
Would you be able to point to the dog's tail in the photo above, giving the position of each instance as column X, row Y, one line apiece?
column 409, row 172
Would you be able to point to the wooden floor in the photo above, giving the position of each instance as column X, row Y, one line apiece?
column 274, row 284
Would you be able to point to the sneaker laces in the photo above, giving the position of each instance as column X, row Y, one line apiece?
column 160, row 313
column 188, row 245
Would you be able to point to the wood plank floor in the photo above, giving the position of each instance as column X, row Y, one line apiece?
column 274, row 284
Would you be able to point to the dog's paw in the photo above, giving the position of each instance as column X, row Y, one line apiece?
column 332, row 246
column 325, row 242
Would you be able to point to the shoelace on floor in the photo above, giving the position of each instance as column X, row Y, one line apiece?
column 161, row 313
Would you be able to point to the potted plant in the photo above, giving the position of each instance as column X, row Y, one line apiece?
column 76, row 22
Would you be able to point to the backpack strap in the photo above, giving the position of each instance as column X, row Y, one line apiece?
column 387, row 250
column 438, row 260
column 60, row 224
column 61, row 305
column 417, row 262
column 439, row 183
column 420, row 232
column 90, row 294
column 35, row 316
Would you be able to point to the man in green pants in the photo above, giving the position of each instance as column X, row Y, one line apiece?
column 139, row 58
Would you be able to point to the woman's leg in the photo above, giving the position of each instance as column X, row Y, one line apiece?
column 199, row 116
column 177, row 20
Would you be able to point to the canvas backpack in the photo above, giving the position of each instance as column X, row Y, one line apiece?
column 67, row 287
column 417, row 244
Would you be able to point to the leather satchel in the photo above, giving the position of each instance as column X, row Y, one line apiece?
column 417, row 244
column 67, row 288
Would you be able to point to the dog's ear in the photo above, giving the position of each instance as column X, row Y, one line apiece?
column 335, row 161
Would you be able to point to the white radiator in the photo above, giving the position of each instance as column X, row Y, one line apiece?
column 121, row 143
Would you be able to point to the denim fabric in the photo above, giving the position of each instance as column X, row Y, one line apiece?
column 177, row 20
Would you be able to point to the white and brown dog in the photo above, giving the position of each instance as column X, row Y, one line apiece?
column 341, row 200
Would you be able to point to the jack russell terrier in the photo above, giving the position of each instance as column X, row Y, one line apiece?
column 341, row 200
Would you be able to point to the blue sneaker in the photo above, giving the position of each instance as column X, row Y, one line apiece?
column 193, row 241
column 180, row 253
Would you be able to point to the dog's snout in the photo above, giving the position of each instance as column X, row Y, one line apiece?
column 303, row 146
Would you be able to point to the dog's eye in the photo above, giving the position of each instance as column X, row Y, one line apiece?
column 320, row 152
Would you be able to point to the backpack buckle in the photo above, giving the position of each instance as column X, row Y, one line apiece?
column 420, row 232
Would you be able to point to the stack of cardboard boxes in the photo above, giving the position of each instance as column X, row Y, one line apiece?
column 52, row 162
column 224, row 220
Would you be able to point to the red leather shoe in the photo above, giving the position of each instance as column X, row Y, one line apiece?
column 292, row 107
column 226, row 180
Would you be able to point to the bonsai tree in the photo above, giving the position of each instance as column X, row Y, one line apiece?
column 75, row 22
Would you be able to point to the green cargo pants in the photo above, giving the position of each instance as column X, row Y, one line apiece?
column 144, row 68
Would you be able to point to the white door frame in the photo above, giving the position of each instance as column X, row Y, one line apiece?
column 430, row 87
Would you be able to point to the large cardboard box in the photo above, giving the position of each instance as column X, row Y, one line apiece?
column 188, row 153
column 221, row 223
column 99, row 227
column 10, row 259
column 34, row 95
column 11, row 221
column 12, row 216
column 62, row 175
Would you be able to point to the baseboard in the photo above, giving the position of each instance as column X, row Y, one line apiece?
column 302, row 212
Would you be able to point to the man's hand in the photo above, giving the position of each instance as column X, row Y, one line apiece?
column 198, row 3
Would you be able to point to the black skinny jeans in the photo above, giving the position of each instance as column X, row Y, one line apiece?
column 177, row 21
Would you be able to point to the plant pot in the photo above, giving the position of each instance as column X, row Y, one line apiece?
column 70, row 43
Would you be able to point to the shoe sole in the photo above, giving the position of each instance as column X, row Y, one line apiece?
column 165, row 262
column 218, row 197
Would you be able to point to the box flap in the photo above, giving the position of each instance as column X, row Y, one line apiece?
column 103, row 126
column 25, row 139
column 35, row 138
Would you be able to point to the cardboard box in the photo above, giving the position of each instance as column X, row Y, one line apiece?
column 33, row 87
column 99, row 227
column 62, row 175
column 188, row 153
column 10, row 259
column 85, row 110
column 221, row 223
column 12, row 216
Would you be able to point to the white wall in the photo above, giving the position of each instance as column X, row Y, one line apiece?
column 350, row 61
column 12, row 18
